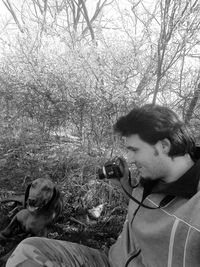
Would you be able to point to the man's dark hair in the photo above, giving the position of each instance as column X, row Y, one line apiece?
column 153, row 123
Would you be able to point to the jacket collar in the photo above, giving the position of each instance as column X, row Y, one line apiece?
column 186, row 186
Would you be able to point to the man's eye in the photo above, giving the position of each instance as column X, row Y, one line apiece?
column 134, row 150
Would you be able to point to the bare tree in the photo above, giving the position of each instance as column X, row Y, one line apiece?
column 174, row 18
column 10, row 8
column 194, row 101
column 169, row 29
column 72, row 16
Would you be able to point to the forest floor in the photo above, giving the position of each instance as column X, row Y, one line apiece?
column 75, row 224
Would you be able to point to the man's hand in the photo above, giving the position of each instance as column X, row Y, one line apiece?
column 124, row 181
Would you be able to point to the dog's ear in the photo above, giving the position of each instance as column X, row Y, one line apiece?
column 55, row 197
column 57, row 203
column 26, row 194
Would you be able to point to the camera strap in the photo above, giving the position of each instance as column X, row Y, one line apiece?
column 140, row 203
column 147, row 192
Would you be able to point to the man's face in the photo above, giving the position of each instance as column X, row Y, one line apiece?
column 150, row 160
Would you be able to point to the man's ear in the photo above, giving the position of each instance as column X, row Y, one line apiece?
column 165, row 145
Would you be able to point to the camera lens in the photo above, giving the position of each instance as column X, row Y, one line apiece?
column 101, row 174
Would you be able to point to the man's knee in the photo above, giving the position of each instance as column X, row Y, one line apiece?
column 26, row 253
column 44, row 251
column 31, row 240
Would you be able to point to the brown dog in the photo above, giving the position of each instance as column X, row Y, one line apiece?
column 42, row 206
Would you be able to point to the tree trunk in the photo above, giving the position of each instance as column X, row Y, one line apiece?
column 192, row 105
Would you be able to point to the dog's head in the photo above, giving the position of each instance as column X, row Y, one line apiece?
column 41, row 194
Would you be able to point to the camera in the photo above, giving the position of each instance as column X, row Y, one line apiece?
column 111, row 170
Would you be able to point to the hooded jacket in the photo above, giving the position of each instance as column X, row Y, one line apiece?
column 169, row 234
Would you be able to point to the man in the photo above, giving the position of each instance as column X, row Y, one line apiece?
column 163, row 221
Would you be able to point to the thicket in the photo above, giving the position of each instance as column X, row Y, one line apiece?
column 65, row 78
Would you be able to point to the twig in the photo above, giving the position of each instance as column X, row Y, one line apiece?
column 77, row 221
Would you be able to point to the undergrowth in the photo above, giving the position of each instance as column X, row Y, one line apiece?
column 75, row 173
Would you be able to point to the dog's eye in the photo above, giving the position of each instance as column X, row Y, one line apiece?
column 47, row 189
column 33, row 185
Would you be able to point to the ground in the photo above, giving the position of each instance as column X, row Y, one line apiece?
column 75, row 173
column 76, row 224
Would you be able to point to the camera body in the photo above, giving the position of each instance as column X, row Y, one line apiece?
column 111, row 170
